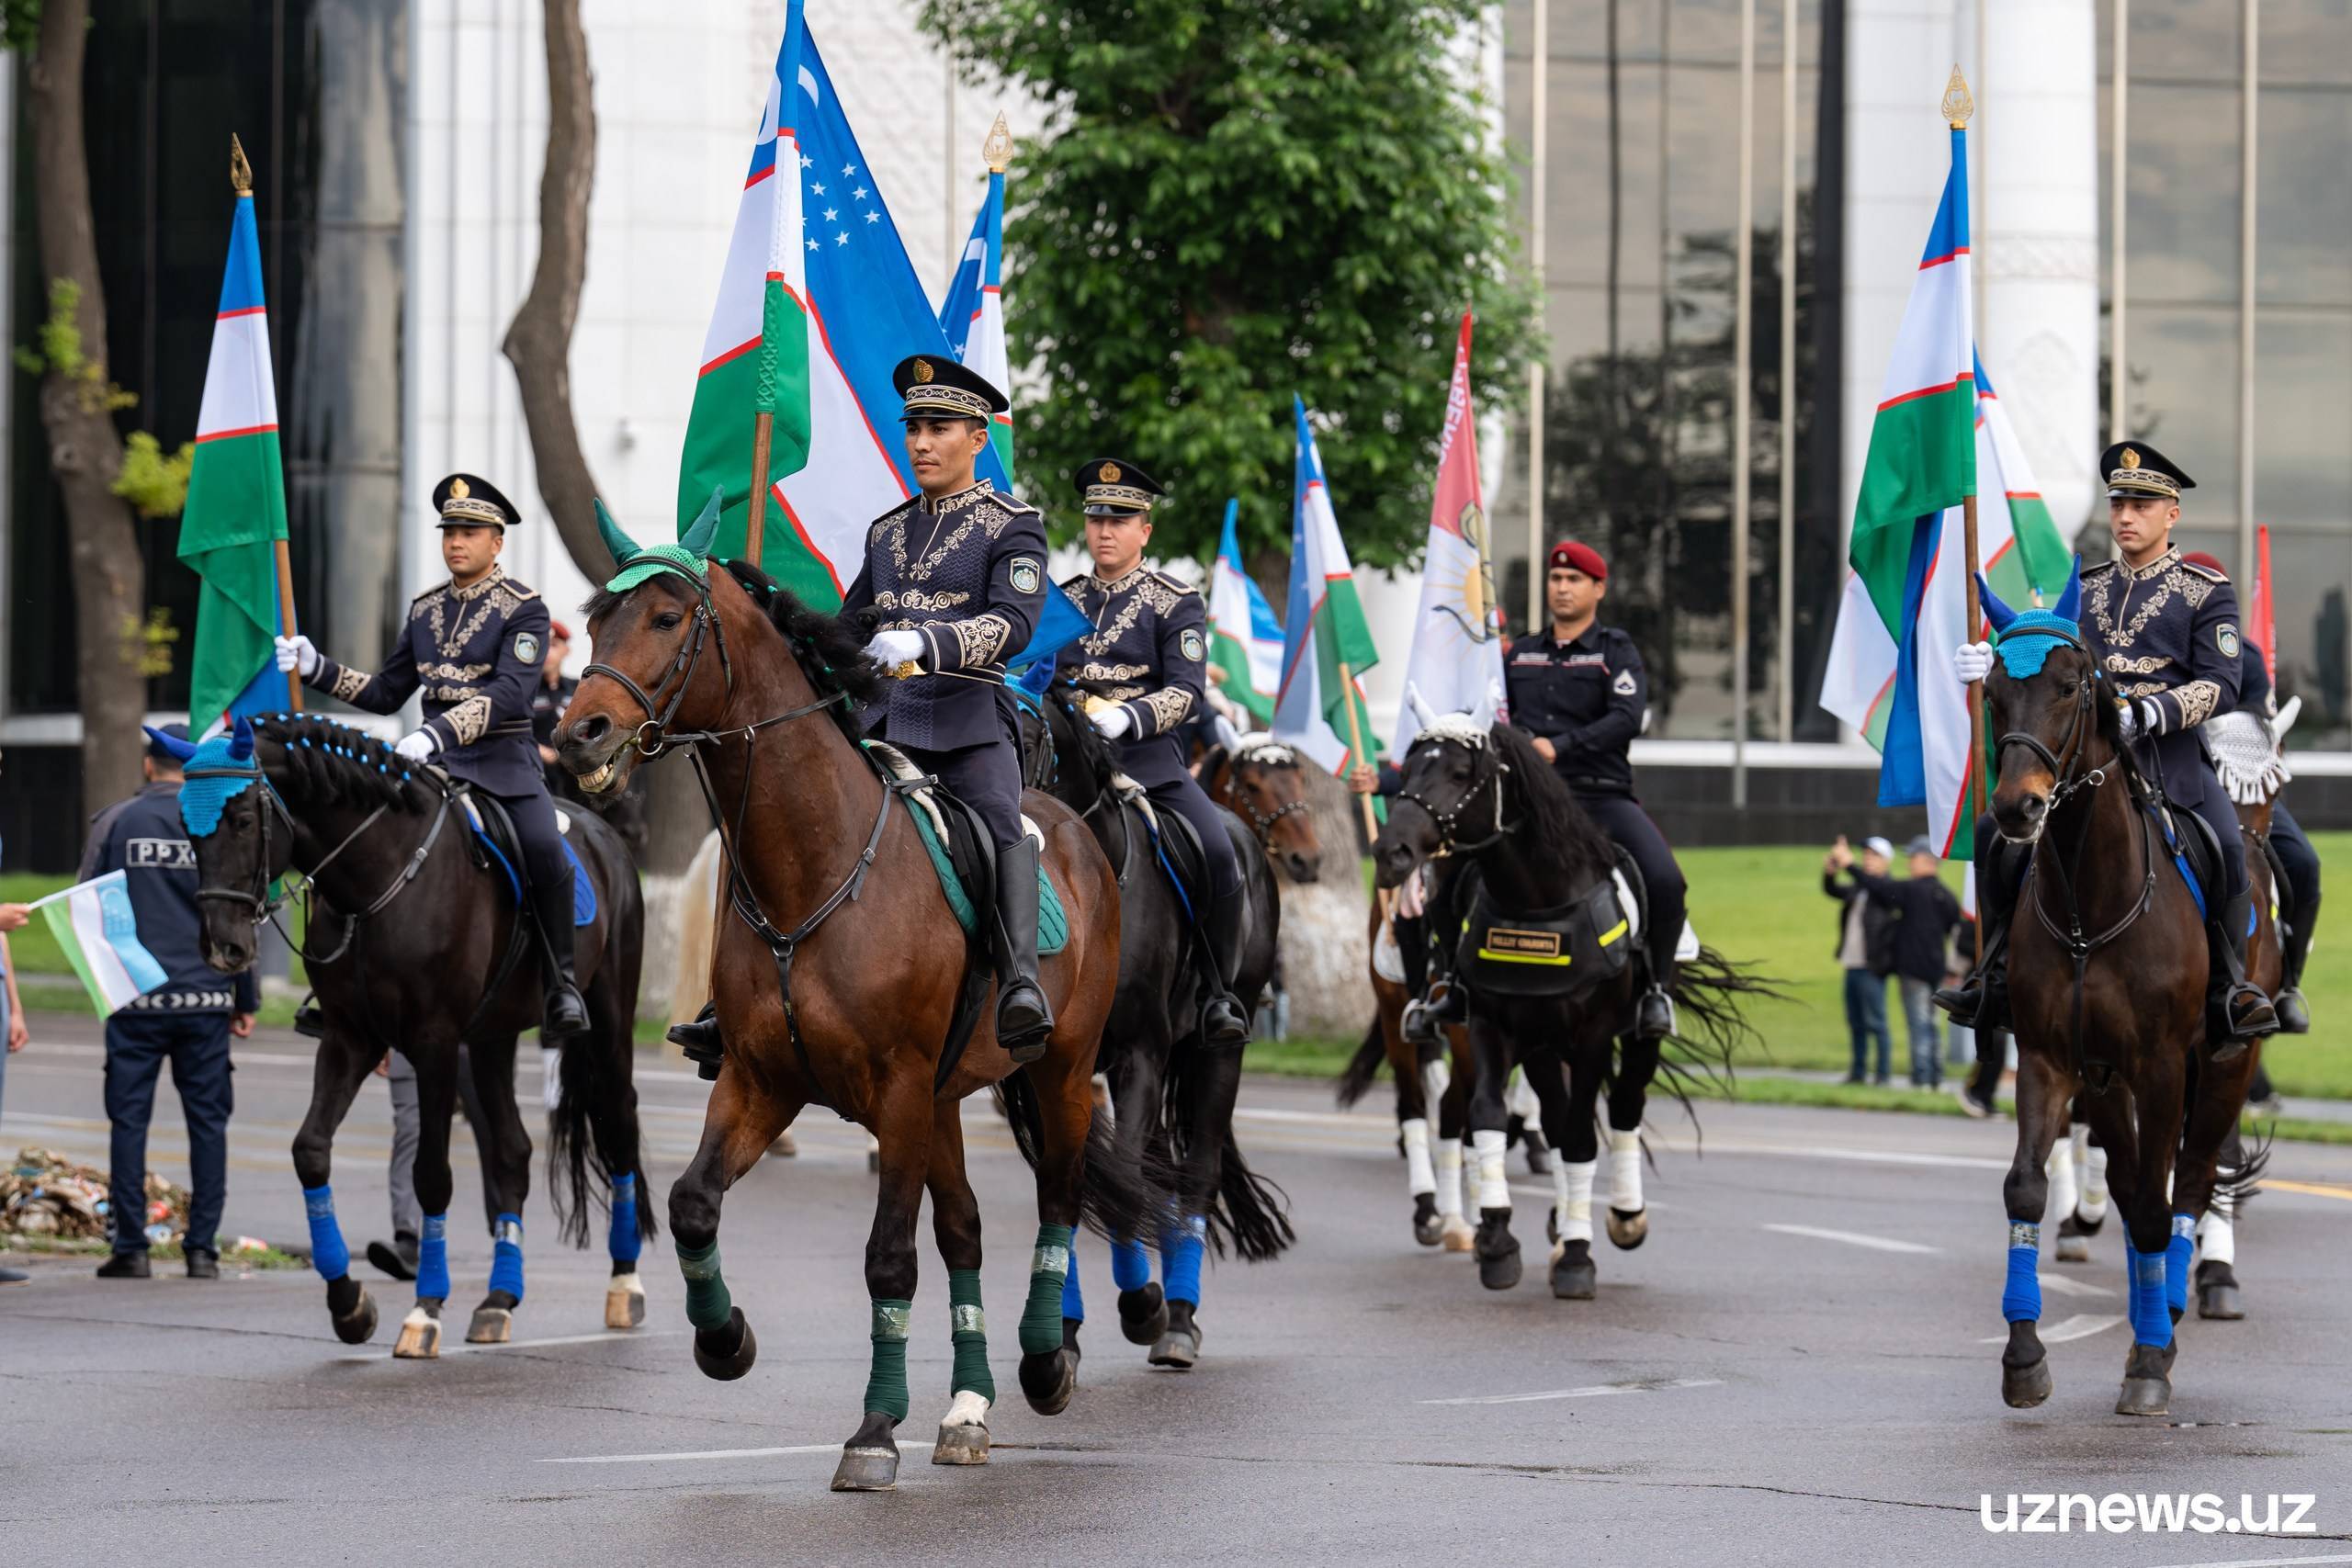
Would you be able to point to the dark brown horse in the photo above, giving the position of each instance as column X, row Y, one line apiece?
column 831, row 886
column 2106, row 986
column 1260, row 782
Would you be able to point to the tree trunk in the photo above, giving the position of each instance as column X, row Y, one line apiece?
column 85, row 450
column 538, row 341
column 1323, row 922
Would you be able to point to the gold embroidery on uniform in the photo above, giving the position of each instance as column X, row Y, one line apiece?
column 1169, row 705
column 2146, row 664
column 349, row 683
column 465, row 673
column 1093, row 671
column 2198, row 700
column 915, row 599
column 980, row 640
column 468, row 720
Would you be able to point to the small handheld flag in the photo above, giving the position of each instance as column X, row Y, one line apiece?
column 94, row 926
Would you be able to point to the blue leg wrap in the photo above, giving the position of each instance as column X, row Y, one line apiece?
column 433, row 1260
column 1180, row 1260
column 1073, row 1302
column 507, row 1258
column 2021, row 1297
column 624, row 1240
column 329, row 1255
column 2176, row 1256
column 2151, row 1322
column 1130, row 1265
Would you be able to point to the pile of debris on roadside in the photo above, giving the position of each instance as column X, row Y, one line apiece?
column 44, row 1195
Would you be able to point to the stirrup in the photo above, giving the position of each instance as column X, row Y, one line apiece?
column 559, row 1022
column 701, row 1041
column 1223, row 1025
column 1418, row 1026
column 2294, row 1013
column 1654, row 1014
column 1030, row 1042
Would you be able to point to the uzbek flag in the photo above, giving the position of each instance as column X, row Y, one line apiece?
column 236, row 502
column 93, row 924
column 1456, row 663
column 973, row 317
column 1315, row 707
column 862, row 310
column 1244, row 639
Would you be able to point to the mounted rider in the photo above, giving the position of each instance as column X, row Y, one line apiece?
column 2164, row 633
column 1580, row 690
column 954, row 579
column 1144, row 665
column 472, row 647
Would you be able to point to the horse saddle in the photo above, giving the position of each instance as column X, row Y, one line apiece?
column 498, row 846
column 1570, row 947
column 963, row 851
column 2196, row 854
column 1175, row 843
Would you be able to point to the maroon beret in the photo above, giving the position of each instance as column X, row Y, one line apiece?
column 1581, row 556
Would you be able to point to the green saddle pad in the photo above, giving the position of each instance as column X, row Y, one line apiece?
column 1053, row 923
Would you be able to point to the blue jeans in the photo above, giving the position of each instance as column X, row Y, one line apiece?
column 1866, row 1017
column 1920, row 1018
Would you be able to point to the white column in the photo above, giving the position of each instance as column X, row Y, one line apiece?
column 2037, row 240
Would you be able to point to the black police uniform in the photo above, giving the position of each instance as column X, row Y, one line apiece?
column 1148, row 654
column 186, row 1021
column 2300, row 908
column 1587, row 697
column 474, row 653
column 967, row 572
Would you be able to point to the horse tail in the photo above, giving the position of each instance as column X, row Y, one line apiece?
column 1710, row 992
column 592, row 1086
column 1363, row 1067
column 2245, row 1177
column 1120, row 1193
column 1247, row 1210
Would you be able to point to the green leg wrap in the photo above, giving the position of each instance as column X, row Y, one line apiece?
column 886, row 1386
column 1041, row 1318
column 970, row 1333
column 707, row 1302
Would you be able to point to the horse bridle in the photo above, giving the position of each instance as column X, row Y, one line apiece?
column 1447, row 842
column 1261, row 823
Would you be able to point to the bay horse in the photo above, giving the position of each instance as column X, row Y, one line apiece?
column 1260, row 780
column 1484, row 795
column 412, row 944
column 2120, row 1025
column 1172, row 1095
column 838, row 978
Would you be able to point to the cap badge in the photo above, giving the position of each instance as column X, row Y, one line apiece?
column 2130, row 458
column 923, row 371
column 459, row 490
column 1108, row 473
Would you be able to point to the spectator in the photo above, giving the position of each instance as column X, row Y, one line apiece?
column 1865, row 949
column 1927, row 913
column 552, row 694
column 12, row 1024
column 188, row 1020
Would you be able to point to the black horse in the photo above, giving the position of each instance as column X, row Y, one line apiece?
column 1548, row 962
column 1168, row 1090
column 412, row 945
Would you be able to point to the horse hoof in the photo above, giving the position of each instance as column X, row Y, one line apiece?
column 1047, row 1380
column 1498, row 1265
column 2022, row 1388
column 1629, row 1231
column 2221, row 1301
column 727, row 1351
column 490, row 1325
column 1425, row 1228
column 867, row 1466
column 2074, row 1249
column 2144, row 1396
column 1178, row 1345
column 963, row 1433
column 420, row 1337
column 783, row 1145
column 1574, row 1278
column 1455, row 1234
column 357, row 1326
column 625, row 1302
column 1142, row 1313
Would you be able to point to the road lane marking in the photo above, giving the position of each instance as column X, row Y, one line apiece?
column 1854, row 1238
column 2062, row 1285
column 705, row 1453
column 1596, row 1391
column 2268, row 1562
column 2316, row 1189
column 2082, row 1325
column 613, row 1336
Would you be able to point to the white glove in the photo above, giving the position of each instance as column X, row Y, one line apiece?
column 1972, row 661
column 2138, row 714
column 417, row 746
column 894, row 648
column 296, row 653
column 1113, row 721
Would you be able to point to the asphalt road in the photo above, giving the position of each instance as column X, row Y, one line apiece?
column 1740, row 1392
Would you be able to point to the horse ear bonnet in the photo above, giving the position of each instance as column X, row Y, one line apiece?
column 2026, row 636
column 687, row 558
column 218, row 771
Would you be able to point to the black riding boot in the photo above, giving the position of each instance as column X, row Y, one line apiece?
column 1981, row 1001
column 2295, row 942
column 1654, row 1013
column 1023, row 1019
column 700, row 1041
column 2239, row 1009
column 1223, row 1025
column 565, row 1014
column 1413, row 948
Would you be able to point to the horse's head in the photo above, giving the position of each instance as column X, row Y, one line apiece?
column 1264, row 784
column 2051, row 712
column 649, row 631
column 242, row 835
column 1453, row 771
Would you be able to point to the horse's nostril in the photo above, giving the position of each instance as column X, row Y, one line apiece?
column 591, row 728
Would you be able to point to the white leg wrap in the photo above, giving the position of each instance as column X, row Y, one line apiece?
column 1419, row 1176
column 2093, row 1204
column 1572, row 1198
column 1449, row 1176
column 2060, row 1168
column 1494, row 1192
column 2217, row 1236
column 1437, row 1077
column 1625, row 1171
column 1521, row 1100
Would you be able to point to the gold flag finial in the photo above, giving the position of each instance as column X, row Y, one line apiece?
column 998, row 147
column 241, row 173
column 1958, row 107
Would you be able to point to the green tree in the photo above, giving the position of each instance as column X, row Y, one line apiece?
column 1238, row 200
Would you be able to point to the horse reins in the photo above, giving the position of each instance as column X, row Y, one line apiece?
column 1447, row 842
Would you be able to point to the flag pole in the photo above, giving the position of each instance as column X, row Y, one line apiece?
column 1355, row 744
column 1958, row 108
column 240, row 180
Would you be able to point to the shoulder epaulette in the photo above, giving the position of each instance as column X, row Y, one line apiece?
column 2207, row 572
column 1167, row 580
column 437, row 588
column 2099, row 567
column 1074, row 581
column 892, row 513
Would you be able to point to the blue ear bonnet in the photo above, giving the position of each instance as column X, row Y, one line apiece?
column 216, row 774
column 2026, row 641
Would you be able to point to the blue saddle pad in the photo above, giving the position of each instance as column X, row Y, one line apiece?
column 583, row 892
